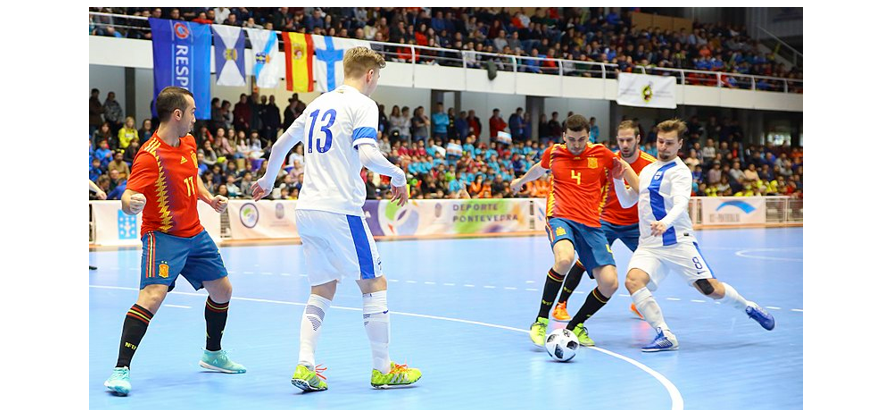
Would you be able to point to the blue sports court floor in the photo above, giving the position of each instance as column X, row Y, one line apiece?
column 461, row 309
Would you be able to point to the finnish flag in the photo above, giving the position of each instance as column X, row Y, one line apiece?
column 229, row 55
column 328, row 61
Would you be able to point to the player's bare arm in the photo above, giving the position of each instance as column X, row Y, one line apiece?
column 532, row 174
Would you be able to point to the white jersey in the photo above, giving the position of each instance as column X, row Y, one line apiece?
column 331, row 128
column 664, row 190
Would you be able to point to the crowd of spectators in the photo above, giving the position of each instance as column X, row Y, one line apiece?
column 440, row 152
column 580, row 35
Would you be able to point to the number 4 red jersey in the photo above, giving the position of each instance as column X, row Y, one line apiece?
column 167, row 177
column 577, row 182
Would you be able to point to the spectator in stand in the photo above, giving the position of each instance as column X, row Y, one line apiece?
column 515, row 121
column 103, row 133
column 127, row 133
column 95, row 170
column 119, row 165
column 146, row 130
column 104, row 154
column 594, row 133
column 474, row 126
column 555, row 127
column 96, row 112
column 242, row 113
column 496, row 124
column 401, row 122
column 128, row 155
column 440, row 121
column 271, row 120
column 113, row 113
column 419, row 124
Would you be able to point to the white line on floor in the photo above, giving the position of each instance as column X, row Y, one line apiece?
column 489, row 287
column 430, row 283
column 177, row 306
column 698, row 301
column 510, row 288
column 774, row 308
column 469, row 285
column 673, row 299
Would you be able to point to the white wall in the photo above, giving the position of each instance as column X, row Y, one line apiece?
column 106, row 79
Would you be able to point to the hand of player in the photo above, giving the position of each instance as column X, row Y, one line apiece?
column 516, row 186
column 400, row 194
column 257, row 191
column 136, row 203
column 618, row 168
column 658, row 228
column 101, row 195
column 219, row 203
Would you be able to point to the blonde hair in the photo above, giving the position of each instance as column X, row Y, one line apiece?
column 676, row 125
column 357, row 61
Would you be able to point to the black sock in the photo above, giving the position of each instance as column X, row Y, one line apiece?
column 595, row 300
column 552, row 286
column 215, row 320
column 133, row 329
column 573, row 278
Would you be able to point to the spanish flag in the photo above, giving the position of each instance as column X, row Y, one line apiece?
column 298, row 61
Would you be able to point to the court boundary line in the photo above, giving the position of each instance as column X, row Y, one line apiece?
column 675, row 396
column 742, row 253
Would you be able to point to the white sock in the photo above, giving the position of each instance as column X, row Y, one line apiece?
column 734, row 299
column 378, row 327
column 648, row 307
column 310, row 328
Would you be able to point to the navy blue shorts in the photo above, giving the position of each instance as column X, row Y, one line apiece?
column 165, row 257
column 628, row 234
column 590, row 243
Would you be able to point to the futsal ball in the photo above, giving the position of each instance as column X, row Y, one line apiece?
column 561, row 344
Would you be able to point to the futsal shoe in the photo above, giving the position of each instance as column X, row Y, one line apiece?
column 664, row 341
column 218, row 361
column 581, row 332
column 636, row 311
column 399, row 375
column 761, row 316
column 119, row 382
column 309, row 380
column 538, row 330
column 559, row 314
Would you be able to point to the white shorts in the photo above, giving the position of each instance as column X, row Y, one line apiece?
column 684, row 258
column 337, row 247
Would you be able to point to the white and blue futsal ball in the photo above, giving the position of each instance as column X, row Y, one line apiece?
column 561, row 344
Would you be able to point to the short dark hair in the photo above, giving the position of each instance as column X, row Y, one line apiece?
column 170, row 99
column 575, row 122
column 94, row 90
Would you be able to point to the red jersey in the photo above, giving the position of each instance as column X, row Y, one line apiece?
column 611, row 210
column 577, row 182
column 167, row 177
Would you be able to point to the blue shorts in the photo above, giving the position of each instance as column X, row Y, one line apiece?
column 165, row 257
column 628, row 234
column 590, row 242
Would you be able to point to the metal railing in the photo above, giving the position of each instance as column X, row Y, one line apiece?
column 796, row 55
column 469, row 59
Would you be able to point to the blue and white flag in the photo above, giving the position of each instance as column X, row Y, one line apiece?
column 264, row 44
column 182, row 58
column 229, row 55
column 328, row 64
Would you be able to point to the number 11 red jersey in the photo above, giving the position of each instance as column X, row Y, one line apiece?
column 167, row 177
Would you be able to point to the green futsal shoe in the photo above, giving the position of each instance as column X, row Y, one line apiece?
column 119, row 382
column 538, row 330
column 399, row 375
column 218, row 361
column 581, row 332
column 309, row 380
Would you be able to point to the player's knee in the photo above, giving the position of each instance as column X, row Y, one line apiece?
column 634, row 281
column 563, row 263
column 704, row 286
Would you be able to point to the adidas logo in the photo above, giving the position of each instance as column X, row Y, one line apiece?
column 183, row 160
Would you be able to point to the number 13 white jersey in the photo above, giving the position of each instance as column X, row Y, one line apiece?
column 331, row 129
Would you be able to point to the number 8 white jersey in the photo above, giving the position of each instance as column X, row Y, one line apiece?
column 331, row 129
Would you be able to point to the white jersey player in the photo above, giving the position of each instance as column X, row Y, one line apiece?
column 666, row 237
column 338, row 130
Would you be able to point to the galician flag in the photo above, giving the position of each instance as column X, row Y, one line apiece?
column 264, row 44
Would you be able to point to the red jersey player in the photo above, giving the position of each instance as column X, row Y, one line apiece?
column 617, row 223
column 579, row 174
column 166, row 186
